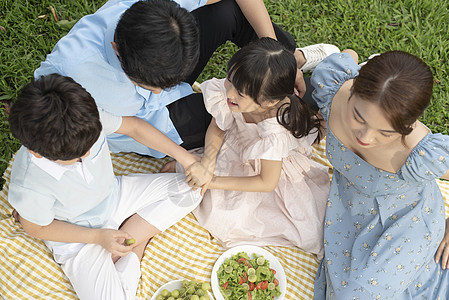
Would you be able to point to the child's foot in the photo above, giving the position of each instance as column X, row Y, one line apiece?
column 314, row 54
column 169, row 167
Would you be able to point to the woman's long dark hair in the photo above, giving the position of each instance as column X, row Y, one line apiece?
column 265, row 71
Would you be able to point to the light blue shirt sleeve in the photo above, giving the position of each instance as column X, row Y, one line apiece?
column 191, row 4
column 110, row 123
column 187, row 4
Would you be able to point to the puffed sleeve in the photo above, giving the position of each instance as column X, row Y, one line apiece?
column 214, row 94
column 328, row 77
column 428, row 160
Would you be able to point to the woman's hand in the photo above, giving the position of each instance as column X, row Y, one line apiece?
column 443, row 250
column 114, row 241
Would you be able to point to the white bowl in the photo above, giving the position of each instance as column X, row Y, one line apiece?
column 172, row 285
column 250, row 250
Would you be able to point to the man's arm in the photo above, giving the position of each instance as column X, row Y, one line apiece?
column 148, row 135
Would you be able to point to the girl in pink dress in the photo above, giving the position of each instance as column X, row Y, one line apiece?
column 259, row 181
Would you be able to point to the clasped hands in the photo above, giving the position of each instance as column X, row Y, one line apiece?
column 200, row 175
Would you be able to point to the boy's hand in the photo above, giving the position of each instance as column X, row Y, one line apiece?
column 114, row 241
column 443, row 249
column 190, row 160
column 198, row 175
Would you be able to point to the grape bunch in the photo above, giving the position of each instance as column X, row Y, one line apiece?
column 190, row 290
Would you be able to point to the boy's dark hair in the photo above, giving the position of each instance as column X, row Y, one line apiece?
column 55, row 117
column 266, row 71
column 157, row 42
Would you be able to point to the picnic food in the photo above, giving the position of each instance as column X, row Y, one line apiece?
column 242, row 278
column 190, row 290
column 130, row 241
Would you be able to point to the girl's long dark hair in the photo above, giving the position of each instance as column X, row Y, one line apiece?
column 266, row 71
column 298, row 117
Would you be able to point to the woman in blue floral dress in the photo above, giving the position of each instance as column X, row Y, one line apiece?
column 385, row 217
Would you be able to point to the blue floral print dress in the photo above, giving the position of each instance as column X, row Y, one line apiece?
column 381, row 229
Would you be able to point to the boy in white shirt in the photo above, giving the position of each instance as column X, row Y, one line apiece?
column 64, row 191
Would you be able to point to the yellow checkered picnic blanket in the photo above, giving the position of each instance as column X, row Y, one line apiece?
column 185, row 250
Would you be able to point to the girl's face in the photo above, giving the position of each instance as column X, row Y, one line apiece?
column 238, row 102
column 368, row 125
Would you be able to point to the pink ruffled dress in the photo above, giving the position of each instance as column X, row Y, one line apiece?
column 292, row 214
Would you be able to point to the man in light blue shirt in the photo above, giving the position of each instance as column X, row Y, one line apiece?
column 132, row 57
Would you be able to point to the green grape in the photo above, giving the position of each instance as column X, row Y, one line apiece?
column 260, row 260
column 190, row 290
column 251, row 271
column 229, row 269
column 252, row 278
column 271, row 286
column 175, row 293
column 130, row 241
column 165, row 293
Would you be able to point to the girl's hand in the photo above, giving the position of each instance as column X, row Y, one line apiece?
column 114, row 241
column 443, row 249
column 205, row 187
column 198, row 175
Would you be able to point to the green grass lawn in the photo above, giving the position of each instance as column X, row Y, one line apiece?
column 28, row 31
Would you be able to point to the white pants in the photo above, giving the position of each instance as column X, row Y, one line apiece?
column 162, row 200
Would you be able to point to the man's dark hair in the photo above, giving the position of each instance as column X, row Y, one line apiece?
column 55, row 117
column 157, row 42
